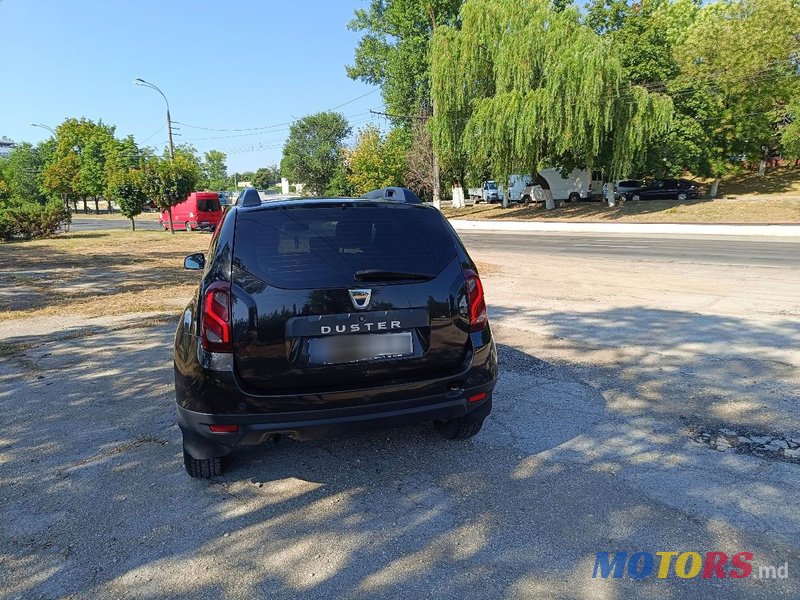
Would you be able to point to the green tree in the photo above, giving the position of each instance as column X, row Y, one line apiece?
column 60, row 178
column 738, row 62
column 23, row 173
column 126, row 187
column 215, row 170
column 377, row 161
column 646, row 36
column 312, row 150
column 547, row 90
column 340, row 185
column 265, row 177
column 89, row 142
column 394, row 51
column 121, row 157
column 169, row 182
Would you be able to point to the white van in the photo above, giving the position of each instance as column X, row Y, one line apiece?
column 580, row 184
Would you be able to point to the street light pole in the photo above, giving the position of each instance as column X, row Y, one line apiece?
column 50, row 129
column 142, row 82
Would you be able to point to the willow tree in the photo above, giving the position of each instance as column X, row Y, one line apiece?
column 521, row 84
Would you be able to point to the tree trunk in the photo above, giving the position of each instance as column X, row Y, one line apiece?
column 108, row 202
column 714, row 187
column 169, row 213
column 85, row 206
column 75, row 205
column 96, row 206
column 612, row 201
column 436, row 182
column 762, row 167
column 133, row 224
column 458, row 196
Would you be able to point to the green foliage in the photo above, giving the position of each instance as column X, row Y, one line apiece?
column 377, row 161
column 22, row 172
column 30, row 220
column 168, row 182
column 548, row 89
column 339, row 185
column 311, row 153
column 790, row 134
column 738, row 63
column 266, row 177
column 127, row 188
column 215, row 171
column 394, row 50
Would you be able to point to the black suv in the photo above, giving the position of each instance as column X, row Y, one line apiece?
column 323, row 315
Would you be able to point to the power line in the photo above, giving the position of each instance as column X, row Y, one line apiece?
column 275, row 124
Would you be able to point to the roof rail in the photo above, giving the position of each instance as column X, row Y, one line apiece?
column 248, row 197
column 398, row 194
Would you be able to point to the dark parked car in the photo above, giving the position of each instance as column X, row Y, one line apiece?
column 666, row 189
column 323, row 315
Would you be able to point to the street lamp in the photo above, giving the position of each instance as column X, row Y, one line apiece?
column 142, row 82
column 50, row 129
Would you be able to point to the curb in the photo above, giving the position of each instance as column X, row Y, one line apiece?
column 787, row 231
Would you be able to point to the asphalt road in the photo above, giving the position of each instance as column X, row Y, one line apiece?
column 81, row 223
column 725, row 250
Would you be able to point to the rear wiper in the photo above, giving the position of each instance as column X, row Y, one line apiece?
column 378, row 275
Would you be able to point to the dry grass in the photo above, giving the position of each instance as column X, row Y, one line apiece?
column 97, row 273
column 650, row 211
column 777, row 182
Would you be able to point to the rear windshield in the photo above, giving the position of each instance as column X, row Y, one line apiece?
column 630, row 183
column 315, row 247
column 208, row 204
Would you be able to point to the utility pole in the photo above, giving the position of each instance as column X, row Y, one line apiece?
column 152, row 86
column 169, row 129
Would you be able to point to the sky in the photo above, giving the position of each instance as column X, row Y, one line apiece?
column 224, row 65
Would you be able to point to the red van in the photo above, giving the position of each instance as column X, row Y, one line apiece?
column 201, row 210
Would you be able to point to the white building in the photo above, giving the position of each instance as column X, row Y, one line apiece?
column 6, row 146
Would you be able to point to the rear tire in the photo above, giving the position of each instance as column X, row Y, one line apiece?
column 457, row 429
column 202, row 468
column 188, row 226
column 574, row 197
column 526, row 199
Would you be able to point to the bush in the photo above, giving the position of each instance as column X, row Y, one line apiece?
column 29, row 220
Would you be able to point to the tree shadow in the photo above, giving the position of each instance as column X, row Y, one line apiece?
column 96, row 502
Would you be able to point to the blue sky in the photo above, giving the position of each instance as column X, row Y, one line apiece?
column 225, row 65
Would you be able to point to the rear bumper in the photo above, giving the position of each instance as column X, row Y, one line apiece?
column 200, row 442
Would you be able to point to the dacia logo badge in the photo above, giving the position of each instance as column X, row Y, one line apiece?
column 360, row 298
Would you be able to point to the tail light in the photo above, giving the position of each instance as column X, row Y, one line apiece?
column 478, row 319
column 216, row 324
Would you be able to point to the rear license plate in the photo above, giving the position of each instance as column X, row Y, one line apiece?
column 355, row 348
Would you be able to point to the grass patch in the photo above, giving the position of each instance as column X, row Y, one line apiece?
column 97, row 273
column 649, row 211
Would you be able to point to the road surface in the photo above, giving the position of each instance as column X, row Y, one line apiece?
column 724, row 250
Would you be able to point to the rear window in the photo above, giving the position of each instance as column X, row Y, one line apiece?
column 208, row 204
column 630, row 183
column 317, row 247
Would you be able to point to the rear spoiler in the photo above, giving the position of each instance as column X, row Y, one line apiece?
column 397, row 194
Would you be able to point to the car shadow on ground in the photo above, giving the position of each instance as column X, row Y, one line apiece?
column 95, row 501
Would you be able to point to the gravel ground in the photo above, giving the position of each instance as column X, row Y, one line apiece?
column 607, row 373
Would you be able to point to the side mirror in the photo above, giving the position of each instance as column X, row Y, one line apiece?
column 194, row 262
